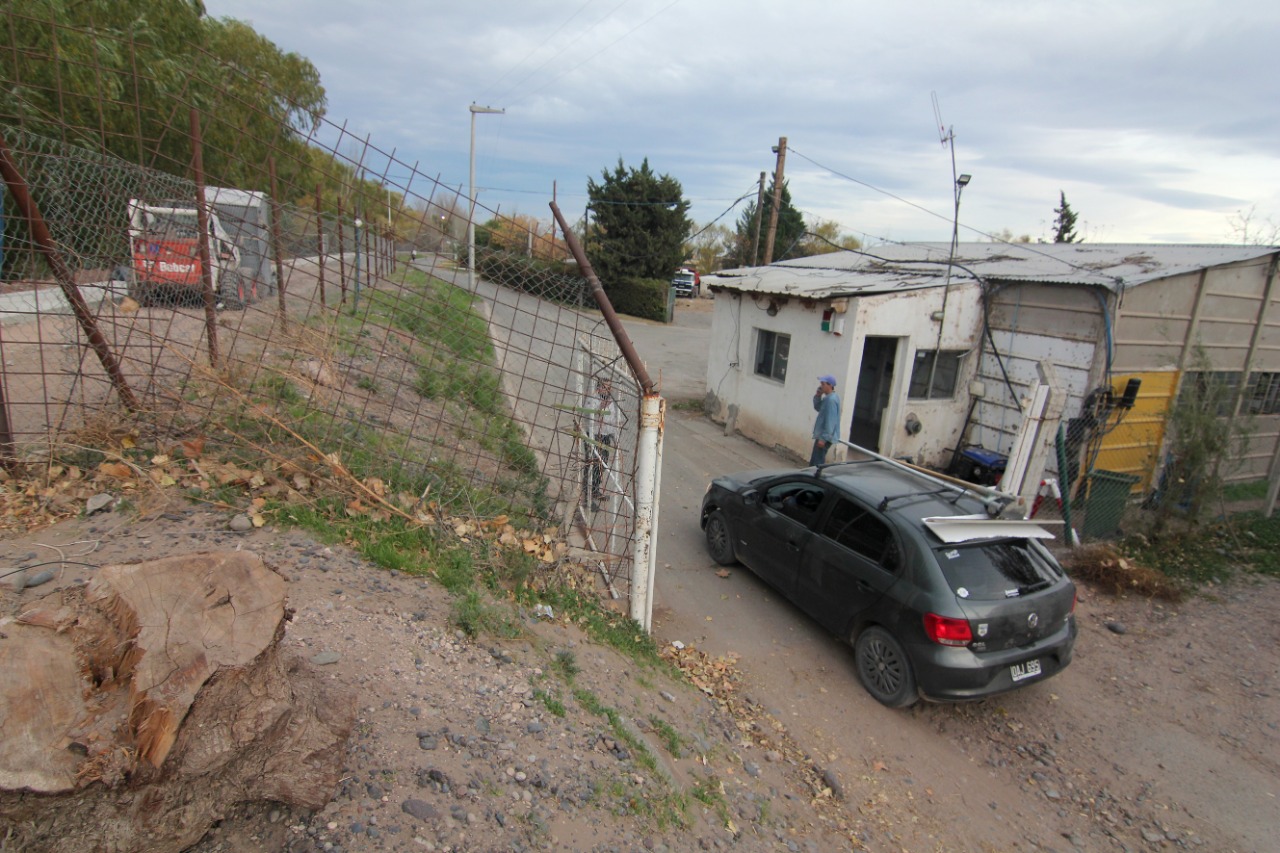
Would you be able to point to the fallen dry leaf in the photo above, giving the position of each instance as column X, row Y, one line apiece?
column 118, row 470
column 723, row 573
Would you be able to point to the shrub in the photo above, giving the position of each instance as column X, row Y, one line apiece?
column 640, row 297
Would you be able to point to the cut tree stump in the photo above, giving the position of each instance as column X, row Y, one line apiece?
column 140, row 708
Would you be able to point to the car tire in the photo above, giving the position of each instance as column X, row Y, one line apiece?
column 883, row 668
column 719, row 539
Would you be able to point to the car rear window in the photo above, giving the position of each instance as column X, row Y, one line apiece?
column 994, row 570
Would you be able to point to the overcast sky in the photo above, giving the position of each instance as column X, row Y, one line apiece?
column 1159, row 119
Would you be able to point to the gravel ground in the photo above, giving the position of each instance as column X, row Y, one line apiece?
column 465, row 744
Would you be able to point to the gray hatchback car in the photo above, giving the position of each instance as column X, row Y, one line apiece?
column 938, row 599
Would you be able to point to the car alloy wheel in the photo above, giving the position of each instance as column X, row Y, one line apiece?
column 883, row 668
column 719, row 542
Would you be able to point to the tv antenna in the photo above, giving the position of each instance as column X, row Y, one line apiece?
column 945, row 134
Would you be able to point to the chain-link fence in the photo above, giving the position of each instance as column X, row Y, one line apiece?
column 314, row 327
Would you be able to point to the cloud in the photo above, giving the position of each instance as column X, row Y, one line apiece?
column 1156, row 116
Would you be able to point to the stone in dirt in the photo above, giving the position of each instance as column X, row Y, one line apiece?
column 140, row 708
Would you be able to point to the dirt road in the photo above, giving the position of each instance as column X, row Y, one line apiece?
column 1163, row 732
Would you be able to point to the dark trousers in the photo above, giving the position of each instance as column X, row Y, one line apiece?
column 599, row 461
column 819, row 454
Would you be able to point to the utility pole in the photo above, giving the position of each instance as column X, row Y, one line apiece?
column 781, row 150
column 471, row 191
column 755, row 242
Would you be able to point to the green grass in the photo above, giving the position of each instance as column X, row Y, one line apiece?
column 1255, row 490
column 475, row 615
column 566, row 665
column 664, row 807
column 1244, row 542
column 552, row 703
column 606, row 627
column 670, row 737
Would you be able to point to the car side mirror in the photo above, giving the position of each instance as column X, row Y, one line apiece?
column 751, row 497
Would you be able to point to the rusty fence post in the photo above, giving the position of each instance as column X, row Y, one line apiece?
column 40, row 234
column 202, row 221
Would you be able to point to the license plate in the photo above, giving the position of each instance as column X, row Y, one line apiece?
column 1023, row 671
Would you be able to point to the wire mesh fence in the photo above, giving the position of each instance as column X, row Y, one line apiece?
column 295, row 297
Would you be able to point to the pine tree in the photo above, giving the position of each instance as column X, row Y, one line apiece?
column 639, row 223
column 1064, row 226
column 787, row 241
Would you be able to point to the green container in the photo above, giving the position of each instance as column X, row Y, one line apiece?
column 1105, row 501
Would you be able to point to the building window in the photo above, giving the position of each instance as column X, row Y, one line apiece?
column 1210, row 389
column 772, row 350
column 945, row 374
column 1262, row 396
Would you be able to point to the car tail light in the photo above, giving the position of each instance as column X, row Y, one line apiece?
column 947, row 631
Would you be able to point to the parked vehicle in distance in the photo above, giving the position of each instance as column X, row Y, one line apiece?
column 938, row 599
column 165, row 243
column 687, row 283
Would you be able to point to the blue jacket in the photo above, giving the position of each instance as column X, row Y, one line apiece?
column 827, row 425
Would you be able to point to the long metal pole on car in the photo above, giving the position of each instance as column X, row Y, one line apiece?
column 995, row 499
column 471, row 194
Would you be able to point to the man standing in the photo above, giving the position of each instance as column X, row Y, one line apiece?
column 607, row 426
column 826, row 428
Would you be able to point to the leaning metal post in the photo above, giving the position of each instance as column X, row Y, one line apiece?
column 66, row 281
column 648, row 444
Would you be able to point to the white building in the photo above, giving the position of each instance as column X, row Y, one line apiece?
column 935, row 356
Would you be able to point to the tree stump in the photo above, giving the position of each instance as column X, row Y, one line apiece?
column 138, row 709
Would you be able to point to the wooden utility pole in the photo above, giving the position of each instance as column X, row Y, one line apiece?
column 755, row 241
column 781, row 150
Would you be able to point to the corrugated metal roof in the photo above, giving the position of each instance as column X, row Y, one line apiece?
column 895, row 267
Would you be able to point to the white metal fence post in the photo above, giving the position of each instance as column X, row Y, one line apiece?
column 648, row 462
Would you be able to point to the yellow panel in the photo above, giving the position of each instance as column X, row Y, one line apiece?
column 1132, row 446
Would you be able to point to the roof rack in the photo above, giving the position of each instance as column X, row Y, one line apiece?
column 994, row 501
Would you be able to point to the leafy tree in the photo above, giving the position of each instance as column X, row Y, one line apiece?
column 787, row 238
column 120, row 74
column 709, row 246
column 1005, row 235
column 1064, row 226
column 824, row 237
column 521, row 235
column 639, row 224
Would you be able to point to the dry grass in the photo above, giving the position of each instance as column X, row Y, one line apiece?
column 1102, row 567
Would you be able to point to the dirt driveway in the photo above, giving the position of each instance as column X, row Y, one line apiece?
column 1161, row 735
column 1163, row 732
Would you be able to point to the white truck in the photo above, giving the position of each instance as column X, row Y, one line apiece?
column 164, row 245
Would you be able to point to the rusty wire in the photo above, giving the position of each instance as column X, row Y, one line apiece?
column 477, row 402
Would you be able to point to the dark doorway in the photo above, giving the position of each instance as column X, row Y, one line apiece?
column 875, row 379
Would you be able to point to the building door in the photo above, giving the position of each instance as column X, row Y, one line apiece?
column 875, row 380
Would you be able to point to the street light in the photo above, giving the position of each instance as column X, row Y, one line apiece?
column 471, row 192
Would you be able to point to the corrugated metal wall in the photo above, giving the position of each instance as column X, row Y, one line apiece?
column 1031, row 323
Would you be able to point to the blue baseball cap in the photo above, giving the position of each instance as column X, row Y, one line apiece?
column 829, row 379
